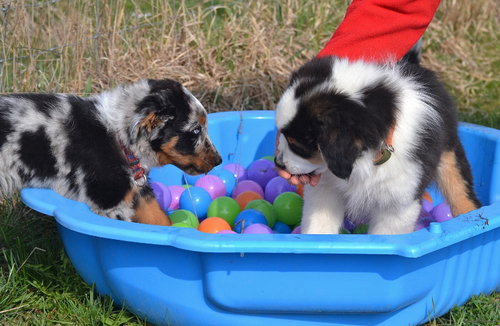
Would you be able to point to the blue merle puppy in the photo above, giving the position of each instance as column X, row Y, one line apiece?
column 99, row 149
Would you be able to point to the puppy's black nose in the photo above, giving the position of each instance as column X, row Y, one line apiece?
column 218, row 160
column 278, row 163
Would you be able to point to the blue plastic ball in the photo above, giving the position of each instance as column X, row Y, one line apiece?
column 248, row 217
column 196, row 200
column 280, row 227
column 227, row 177
column 190, row 179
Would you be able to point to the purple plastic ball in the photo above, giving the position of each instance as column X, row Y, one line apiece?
column 297, row 230
column 277, row 186
column 262, row 171
column 237, row 170
column 162, row 194
column 349, row 225
column 247, row 185
column 441, row 212
column 176, row 192
column 213, row 184
column 226, row 232
column 424, row 220
column 426, row 205
column 258, row 228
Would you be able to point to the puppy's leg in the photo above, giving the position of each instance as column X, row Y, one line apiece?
column 147, row 209
column 323, row 211
column 385, row 221
column 454, row 178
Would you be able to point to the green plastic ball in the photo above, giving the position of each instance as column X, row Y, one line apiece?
column 184, row 216
column 288, row 208
column 182, row 225
column 361, row 229
column 224, row 207
column 268, row 157
column 265, row 208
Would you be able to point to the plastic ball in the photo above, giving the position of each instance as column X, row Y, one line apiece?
column 226, row 232
column 280, row 227
column 258, row 228
column 213, row 225
column 227, row 177
column 224, row 207
column 277, row 186
column 441, row 212
column 349, row 225
column 265, row 208
column 245, row 197
column 247, row 185
column 361, row 229
column 426, row 205
column 297, row 230
column 196, row 200
column 269, row 158
column 162, row 194
column 190, row 179
column 262, row 171
column 182, row 225
column 427, row 196
column 237, row 170
column 184, row 216
column 288, row 208
column 424, row 220
column 300, row 190
column 186, row 186
column 213, row 184
column 175, row 192
column 247, row 218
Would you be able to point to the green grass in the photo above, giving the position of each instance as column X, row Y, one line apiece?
column 231, row 55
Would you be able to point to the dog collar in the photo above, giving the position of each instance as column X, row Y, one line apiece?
column 386, row 150
column 134, row 163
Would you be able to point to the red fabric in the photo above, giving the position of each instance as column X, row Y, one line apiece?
column 380, row 30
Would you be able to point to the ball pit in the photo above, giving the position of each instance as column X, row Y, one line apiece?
column 183, row 276
column 262, row 171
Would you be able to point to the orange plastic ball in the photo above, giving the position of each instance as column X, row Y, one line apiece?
column 427, row 196
column 213, row 225
column 300, row 190
column 245, row 197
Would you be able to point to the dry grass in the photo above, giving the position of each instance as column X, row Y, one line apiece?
column 231, row 54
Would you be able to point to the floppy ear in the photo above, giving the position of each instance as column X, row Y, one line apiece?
column 155, row 111
column 340, row 133
column 340, row 149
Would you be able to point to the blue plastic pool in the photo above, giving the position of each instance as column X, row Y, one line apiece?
column 179, row 276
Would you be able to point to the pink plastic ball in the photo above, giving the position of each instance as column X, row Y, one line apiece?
column 176, row 192
column 247, row 185
column 162, row 194
column 213, row 184
column 238, row 171
column 258, row 228
column 277, row 186
column 262, row 171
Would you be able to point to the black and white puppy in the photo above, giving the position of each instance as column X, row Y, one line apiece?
column 378, row 134
column 99, row 149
